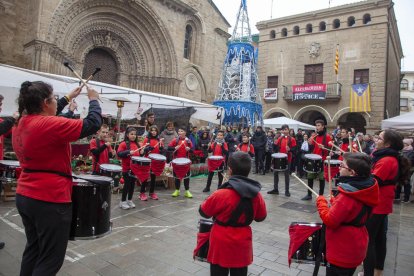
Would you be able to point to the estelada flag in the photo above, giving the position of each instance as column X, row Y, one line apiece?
column 360, row 98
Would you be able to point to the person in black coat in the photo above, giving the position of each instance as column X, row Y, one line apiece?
column 259, row 142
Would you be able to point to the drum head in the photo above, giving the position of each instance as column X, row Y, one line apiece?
column 181, row 161
column 141, row 159
column 279, row 155
column 333, row 162
column 10, row 163
column 313, row 156
column 158, row 157
column 216, row 157
column 89, row 179
column 311, row 224
column 110, row 167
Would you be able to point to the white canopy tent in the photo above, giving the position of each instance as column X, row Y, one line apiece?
column 11, row 79
column 293, row 124
column 404, row 122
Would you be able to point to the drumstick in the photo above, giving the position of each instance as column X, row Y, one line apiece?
column 328, row 158
column 335, row 146
column 304, row 184
column 359, row 145
column 141, row 148
column 97, row 69
column 350, row 141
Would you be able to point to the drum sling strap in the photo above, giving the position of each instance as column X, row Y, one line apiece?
column 61, row 174
column 245, row 207
column 321, row 248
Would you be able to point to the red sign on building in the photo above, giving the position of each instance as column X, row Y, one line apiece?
column 309, row 92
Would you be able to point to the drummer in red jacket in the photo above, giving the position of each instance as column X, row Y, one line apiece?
column 181, row 146
column 245, row 145
column 101, row 149
column 345, row 219
column 218, row 148
column 231, row 246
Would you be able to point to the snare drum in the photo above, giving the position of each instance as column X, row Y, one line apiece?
column 334, row 169
column 181, row 168
column 112, row 171
column 215, row 163
column 91, row 203
column 141, row 166
column 313, row 163
column 305, row 241
column 10, row 171
column 204, row 228
column 280, row 161
column 157, row 163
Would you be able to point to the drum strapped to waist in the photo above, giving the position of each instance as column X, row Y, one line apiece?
column 10, row 171
column 313, row 163
column 215, row 163
column 140, row 167
column 91, row 207
column 334, row 164
column 280, row 161
column 203, row 236
column 181, row 168
column 157, row 163
column 111, row 170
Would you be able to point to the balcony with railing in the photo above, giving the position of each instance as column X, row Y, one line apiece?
column 333, row 92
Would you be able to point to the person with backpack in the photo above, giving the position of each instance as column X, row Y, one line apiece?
column 346, row 217
column 233, row 207
column 284, row 144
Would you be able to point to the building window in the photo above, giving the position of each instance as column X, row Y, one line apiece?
column 366, row 18
column 361, row 76
column 187, row 41
column 284, row 32
column 272, row 81
column 309, row 28
column 322, row 26
column 404, row 84
column 272, row 34
column 336, row 24
column 296, row 30
column 351, row 21
column 404, row 103
column 313, row 74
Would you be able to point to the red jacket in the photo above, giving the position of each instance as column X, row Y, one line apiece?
column 153, row 142
column 283, row 142
column 346, row 245
column 125, row 155
column 319, row 139
column 218, row 150
column 246, row 147
column 103, row 155
column 183, row 142
column 385, row 169
column 231, row 246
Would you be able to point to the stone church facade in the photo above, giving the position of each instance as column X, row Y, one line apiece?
column 172, row 47
column 301, row 49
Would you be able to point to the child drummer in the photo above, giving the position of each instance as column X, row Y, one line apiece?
column 245, row 145
column 284, row 144
column 101, row 149
column 154, row 145
column 181, row 146
column 218, row 148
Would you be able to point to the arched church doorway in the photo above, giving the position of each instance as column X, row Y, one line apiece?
column 353, row 120
column 101, row 58
column 309, row 117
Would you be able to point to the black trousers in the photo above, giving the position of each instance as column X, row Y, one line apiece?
column 152, row 184
column 220, row 177
column 216, row 270
column 258, row 159
column 377, row 226
column 268, row 161
column 47, row 228
column 129, row 186
column 276, row 179
column 333, row 270
column 407, row 191
column 186, row 183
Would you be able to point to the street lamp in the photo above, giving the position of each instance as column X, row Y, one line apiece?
column 120, row 102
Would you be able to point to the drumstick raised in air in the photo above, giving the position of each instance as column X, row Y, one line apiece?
column 97, row 69
column 359, row 145
column 350, row 141
column 335, row 146
column 304, row 184
column 141, row 147
column 328, row 158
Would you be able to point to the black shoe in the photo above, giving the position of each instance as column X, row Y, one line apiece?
column 287, row 194
column 263, row 172
column 307, row 197
column 255, row 172
column 206, row 190
column 273, row 192
column 2, row 245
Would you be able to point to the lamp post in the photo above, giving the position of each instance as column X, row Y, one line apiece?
column 120, row 102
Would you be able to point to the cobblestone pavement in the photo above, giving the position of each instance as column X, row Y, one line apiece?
column 158, row 237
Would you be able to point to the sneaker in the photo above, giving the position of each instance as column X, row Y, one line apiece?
column 143, row 197
column 188, row 194
column 130, row 204
column 176, row 193
column 307, row 197
column 153, row 196
column 287, row 194
column 124, row 205
column 361, row 273
column 405, row 201
column 273, row 192
column 206, row 190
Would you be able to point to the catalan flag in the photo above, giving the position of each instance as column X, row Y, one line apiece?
column 360, row 98
column 336, row 65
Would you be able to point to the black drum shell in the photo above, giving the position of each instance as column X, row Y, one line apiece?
column 312, row 165
column 280, row 164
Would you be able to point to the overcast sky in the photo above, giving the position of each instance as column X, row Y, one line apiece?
column 260, row 10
